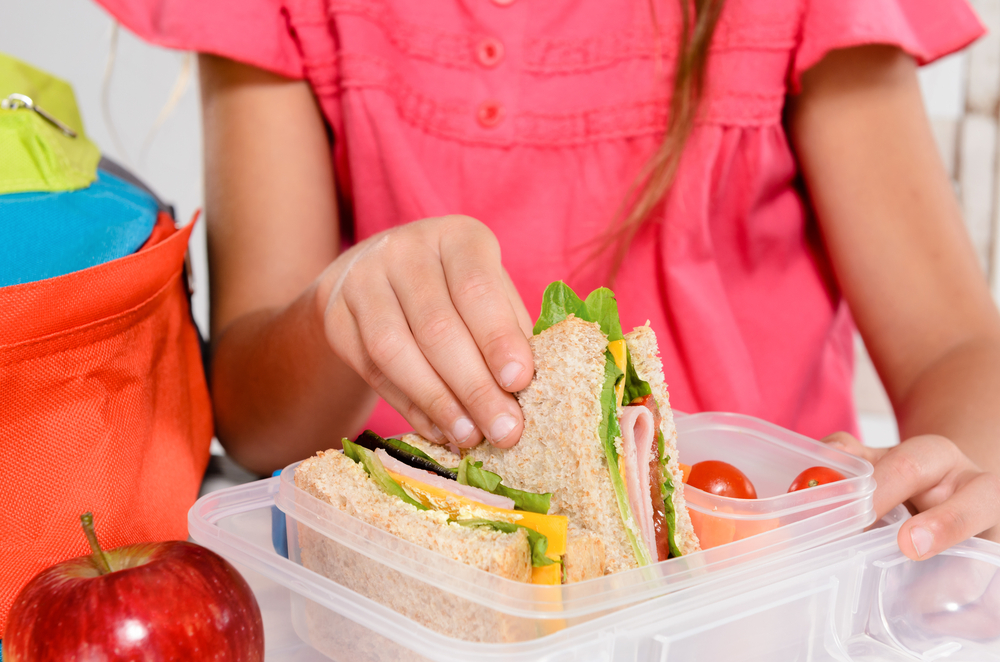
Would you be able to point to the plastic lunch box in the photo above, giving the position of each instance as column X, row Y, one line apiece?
column 806, row 585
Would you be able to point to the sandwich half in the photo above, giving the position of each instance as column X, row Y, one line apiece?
column 404, row 491
column 442, row 502
column 599, row 434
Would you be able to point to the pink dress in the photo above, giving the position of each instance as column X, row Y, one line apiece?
column 535, row 117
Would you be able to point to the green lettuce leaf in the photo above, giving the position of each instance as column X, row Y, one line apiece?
column 527, row 501
column 559, row 301
column 539, row 543
column 667, row 491
column 602, row 308
column 634, row 387
column 373, row 466
column 406, row 448
column 472, row 473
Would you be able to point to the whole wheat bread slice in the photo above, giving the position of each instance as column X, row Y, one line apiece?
column 560, row 450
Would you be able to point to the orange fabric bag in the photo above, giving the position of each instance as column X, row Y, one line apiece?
column 103, row 407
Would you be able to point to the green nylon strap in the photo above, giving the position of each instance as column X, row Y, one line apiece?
column 34, row 154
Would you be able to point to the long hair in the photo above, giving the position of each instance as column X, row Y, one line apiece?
column 698, row 22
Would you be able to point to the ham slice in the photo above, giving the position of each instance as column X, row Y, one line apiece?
column 453, row 486
column 637, row 428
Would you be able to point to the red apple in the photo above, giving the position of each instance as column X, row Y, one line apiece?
column 152, row 601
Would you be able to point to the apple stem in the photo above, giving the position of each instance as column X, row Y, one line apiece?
column 100, row 558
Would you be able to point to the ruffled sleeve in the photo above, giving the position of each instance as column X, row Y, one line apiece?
column 926, row 29
column 255, row 32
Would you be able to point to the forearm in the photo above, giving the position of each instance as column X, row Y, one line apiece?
column 895, row 236
column 958, row 397
column 279, row 392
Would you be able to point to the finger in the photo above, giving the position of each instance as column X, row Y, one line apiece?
column 445, row 340
column 353, row 353
column 523, row 318
column 913, row 468
column 849, row 444
column 973, row 508
column 471, row 260
column 392, row 349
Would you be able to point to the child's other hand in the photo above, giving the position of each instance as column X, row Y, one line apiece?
column 955, row 498
column 427, row 315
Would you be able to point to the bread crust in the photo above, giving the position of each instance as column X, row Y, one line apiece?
column 644, row 353
column 584, row 557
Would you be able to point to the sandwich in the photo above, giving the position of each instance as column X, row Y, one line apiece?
column 599, row 433
column 593, row 486
column 442, row 502
column 425, row 495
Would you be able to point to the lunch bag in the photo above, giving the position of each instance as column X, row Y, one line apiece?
column 104, row 405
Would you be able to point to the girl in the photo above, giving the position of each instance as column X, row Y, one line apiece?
column 740, row 170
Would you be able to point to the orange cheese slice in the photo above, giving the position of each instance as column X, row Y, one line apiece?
column 553, row 527
column 547, row 574
column 685, row 472
column 618, row 351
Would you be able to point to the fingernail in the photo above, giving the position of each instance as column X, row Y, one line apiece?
column 510, row 372
column 436, row 434
column 501, row 428
column 837, row 444
column 461, row 430
column 922, row 540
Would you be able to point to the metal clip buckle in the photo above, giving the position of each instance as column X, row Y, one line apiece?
column 18, row 101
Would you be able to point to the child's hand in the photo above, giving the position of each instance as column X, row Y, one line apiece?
column 956, row 499
column 427, row 315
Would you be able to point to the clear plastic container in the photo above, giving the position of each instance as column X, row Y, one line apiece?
column 854, row 599
column 460, row 601
column 771, row 457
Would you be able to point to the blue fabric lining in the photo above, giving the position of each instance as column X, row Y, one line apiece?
column 44, row 235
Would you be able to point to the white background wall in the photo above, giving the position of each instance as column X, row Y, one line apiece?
column 71, row 39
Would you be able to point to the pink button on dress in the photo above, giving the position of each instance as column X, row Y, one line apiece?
column 535, row 117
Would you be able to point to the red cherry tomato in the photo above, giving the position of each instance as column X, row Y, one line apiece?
column 721, row 478
column 814, row 476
